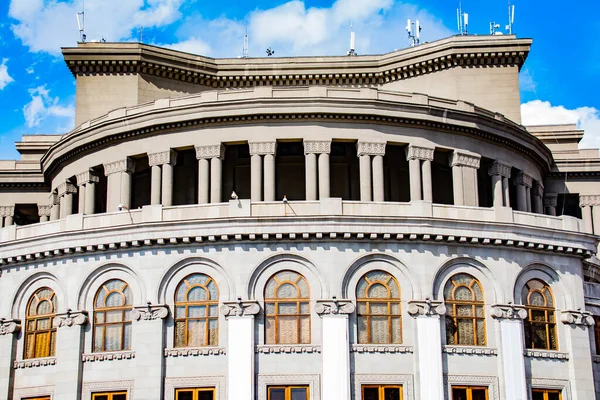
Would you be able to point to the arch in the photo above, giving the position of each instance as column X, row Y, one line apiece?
column 478, row 270
column 319, row 288
column 91, row 284
column 30, row 285
column 40, row 332
column 112, row 316
column 544, row 272
column 465, row 319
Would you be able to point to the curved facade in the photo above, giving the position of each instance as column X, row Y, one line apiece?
column 323, row 228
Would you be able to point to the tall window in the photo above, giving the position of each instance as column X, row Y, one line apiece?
column 381, row 392
column 540, row 325
column 110, row 396
column 465, row 318
column 597, row 333
column 112, row 317
column 379, row 318
column 469, row 393
column 287, row 309
column 40, row 335
column 545, row 394
column 196, row 312
column 288, row 393
column 195, row 394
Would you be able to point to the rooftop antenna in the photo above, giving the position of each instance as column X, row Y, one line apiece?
column 463, row 20
column 414, row 32
column 352, row 51
column 81, row 22
column 494, row 29
column 511, row 18
column 141, row 34
column 245, row 50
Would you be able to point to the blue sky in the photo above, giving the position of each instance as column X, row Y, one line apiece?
column 559, row 83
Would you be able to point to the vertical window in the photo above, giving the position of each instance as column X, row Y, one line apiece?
column 465, row 318
column 287, row 309
column 195, row 394
column 288, row 393
column 112, row 317
column 381, row 392
column 540, row 325
column 40, row 335
column 196, row 312
column 110, row 396
column 469, row 393
column 597, row 333
column 379, row 307
column 545, row 394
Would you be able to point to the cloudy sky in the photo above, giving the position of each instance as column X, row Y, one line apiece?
column 559, row 83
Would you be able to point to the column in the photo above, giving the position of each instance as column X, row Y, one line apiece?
column 378, row 185
column 464, row 177
column 528, row 197
column 65, row 193
column 44, row 212
column 119, row 184
column 537, row 192
column 586, row 211
column 506, row 190
column 267, row 151
column 595, row 201
column 81, row 204
column 69, row 347
column 209, row 172
column 428, row 356
column 522, row 182
column 8, row 329
column 500, row 172
column 578, row 323
column 311, row 175
column 147, row 339
column 215, row 179
column 366, row 150
column 256, row 178
column 336, row 347
column 155, row 182
column 269, row 168
column 161, row 184
column 420, row 175
column 7, row 213
column 55, row 210
column 317, row 151
column 240, row 348
column 427, row 184
column 510, row 318
column 86, row 183
column 550, row 200
column 324, row 176
column 365, row 177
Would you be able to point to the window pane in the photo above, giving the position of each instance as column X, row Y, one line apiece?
column 553, row 395
column 180, row 334
column 119, row 397
column 391, row 393
column 114, row 316
column 370, row 393
column 100, row 397
column 537, row 395
column 113, row 337
column 479, row 394
column 465, row 332
column 288, row 330
column 378, row 291
column 299, row 394
column 205, row 395
column 276, row 394
column 270, row 330
column 459, row 394
column 288, row 308
column 362, row 330
column 127, row 339
column 185, row 395
column 379, row 330
column 379, row 308
column 287, row 291
column 196, row 333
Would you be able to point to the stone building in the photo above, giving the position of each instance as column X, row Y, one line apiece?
column 363, row 227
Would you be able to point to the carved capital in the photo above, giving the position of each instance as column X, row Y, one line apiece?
column 7, row 211
column 523, row 179
column 70, row 318
column 9, row 326
column 509, row 311
column 150, row 312
column 500, row 168
column 262, row 148
column 44, row 211
column 577, row 317
column 127, row 165
column 55, row 198
column 65, row 188
column 589, row 200
column 370, row 149
column 240, row 308
column 317, row 146
column 164, row 157
column 460, row 158
column 419, row 153
column 550, row 199
column 210, row 151
column 87, row 177
column 334, row 307
column 426, row 307
column 537, row 189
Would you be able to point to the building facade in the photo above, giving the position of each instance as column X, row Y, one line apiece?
column 364, row 227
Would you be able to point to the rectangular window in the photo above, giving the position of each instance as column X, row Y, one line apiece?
column 469, row 393
column 381, row 392
column 38, row 398
column 110, row 396
column 288, row 393
column 597, row 333
column 545, row 394
column 195, row 394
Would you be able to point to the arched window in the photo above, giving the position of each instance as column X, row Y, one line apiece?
column 196, row 312
column 465, row 318
column 379, row 302
column 112, row 317
column 40, row 334
column 287, row 309
column 540, row 325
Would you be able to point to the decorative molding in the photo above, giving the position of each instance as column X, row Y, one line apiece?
column 7, row 211
column 550, row 199
column 44, row 211
column 127, row 165
column 523, row 179
column 34, row 362
column 317, row 146
column 262, row 148
column 460, row 158
column 555, row 355
column 65, row 188
column 240, row 308
column 509, row 311
column 163, row 157
column 9, row 326
column 87, row 177
column 289, row 349
column 370, row 148
column 419, row 153
column 538, row 189
column 476, row 350
column 296, row 379
column 382, row 379
column 107, row 386
column 380, row 348
column 471, row 380
column 544, row 383
column 426, row 307
column 334, row 306
column 33, row 392
column 108, row 356
column 70, row 318
column 218, row 382
column 150, row 312
column 55, row 198
column 577, row 317
column 500, row 168
column 195, row 351
column 589, row 200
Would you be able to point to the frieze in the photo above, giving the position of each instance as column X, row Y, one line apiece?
column 7, row 211
column 509, row 311
column 317, row 146
column 195, row 351
column 475, row 350
column 34, row 362
column 163, row 157
column 577, row 317
column 462, row 159
column 127, row 165
column 522, row 179
column 555, row 355
column 589, row 200
column 150, row 312
column 426, row 307
column 262, row 148
column 87, row 177
column 500, row 168
column 289, row 349
column 70, row 318
column 370, row 149
column 240, row 308
column 9, row 326
column 380, row 348
column 334, row 307
column 550, row 199
column 44, row 211
column 116, row 355
column 419, row 153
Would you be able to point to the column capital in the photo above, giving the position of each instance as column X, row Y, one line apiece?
column 334, row 307
column 262, row 148
column 207, row 152
column 87, row 177
column 500, row 168
column 419, row 153
column 65, row 188
column 523, row 179
column 55, row 198
column 538, row 189
column 589, row 200
column 509, row 311
column 127, row 165
column 577, row 317
column 317, row 146
column 163, row 157
column 240, row 308
column 9, row 326
column 44, row 210
column 70, row 318
column 7, row 211
column 550, row 199
column 427, row 307
column 150, row 312
column 370, row 148
column 463, row 158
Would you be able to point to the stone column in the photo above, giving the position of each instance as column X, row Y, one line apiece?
column 336, row 347
column 464, row 175
column 119, row 184
column 65, row 193
column 522, row 182
column 161, row 188
column 147, row 339
column 506, row 189
column 510, row 318
column 269, row 170
column 365, row 177
column 7, row 213
column 550, row 200
column 240, row 348
column 528, row 197
column 86, row 182
column 69, row 347
column 210, row 177
column 256, row 190
column 537, row 192
column 8, row 328
column 267, row 151
column 44, row 212
column 365, row 150
column 581, row 377
column 420, row 175
column 428, row 356
column 311, row 175
column 595, row 201
column 324, row 176
column 586, row 211
column 313, row 150
column 55, row 210
column 500, row 172
column 81, row 203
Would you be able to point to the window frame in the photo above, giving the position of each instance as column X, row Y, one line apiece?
column 529, row 324
column 195, row 391
column 381, row 388
column 123, row 322
column 469, row 389
column 38, row 398
column 545, row 392
column 288, row 390
column 452, row 305
column 50, row 332
column 110, row 394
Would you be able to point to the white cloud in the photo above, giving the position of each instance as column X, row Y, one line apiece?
column 539, row 112
column 191, row 45
column 5, row 78
column 42, row 106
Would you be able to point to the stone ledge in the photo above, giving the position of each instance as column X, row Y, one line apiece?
column 34, row 362
column 195, row 351
column 550, row 354
column 293, row 348
column 380, row 348
column 474, row 350
column 109, row 356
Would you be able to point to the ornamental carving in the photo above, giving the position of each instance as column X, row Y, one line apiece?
column 240, row 308
column 127, row 165
column 334, row 307
column 55, row 198
column 150, row 312
column 9, row 326
column 380, row 349
column 289, row 349
column 461, row 159
column 70, row 318
column 195, row 351
column 550, row 199
column 210, row 151
column 589, row 200
column 509, row 311
column 44, row 211
column 370, row 149
column 65, row 188
column 419, row 153
column 7, row 211
column 164, row 157
column 522, row 179
column 426, row 307
column 115, row 355
column 538, row 189
column 87, row 177
column 500, row 168
column 554, row 355
column 317, row 146
column 475, row 350
column 577, row 317
column 35, row 362
column 262, row 148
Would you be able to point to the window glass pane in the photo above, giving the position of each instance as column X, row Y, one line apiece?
column 98, row 338
column 213, row 290
column 479, row 394
column 396, row 331
column 44, row 307
column 205, row 395
column 378, row 291
column 197, row 279
column 465, row 332
column 213, row 332
column 114, row 316
column 44, row 323
column 480, row 332
column 197, row 293
column 370, row 393
column 464, row 311
column 113, row 337
column 362, row 330
column 288, row 330
column 377, row 276
column 276, row 394
column 100, row 397
column 270, row 330
column 539, row 336
column 450, row 330
column 459, row 394
column 361, row 289
column 537, row 299
column 128, row 296
column 287, row 291
column 462, row 279
column 185, row 395
column 181, row 291
column 288, row 308
column 119, row 397
column 548, row 296
column 127, row 337
column 391, row 393
column 196, row 333
column 305, row 330
column 303, row 287
column 477, row 291
column 299, row 394
column 553, row 395
column 180, row 334
column 197, row 312
column 115, row 299
column 379, row 330
column 213, row 311
column 537, row 395
column 448, row 290
column 379, row 308
column 463, row 293
column 362, row 308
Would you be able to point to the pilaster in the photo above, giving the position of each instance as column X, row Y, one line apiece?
column 69, row 347
column 8, row 328
column 578, row 322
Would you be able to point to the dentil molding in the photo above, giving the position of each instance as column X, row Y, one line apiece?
column 9, row 326
column 426, row 307
column 370, row 149
column 34, row 362
column 109, row 356
column 334, row 307
column 577, row 317
column 150, row 312
column 240, row 308
column 419, row 153
column 70, row 318
column 509, row 311
column 195, row 351
column 380, row 348
column 289, row 349
column 317, row 146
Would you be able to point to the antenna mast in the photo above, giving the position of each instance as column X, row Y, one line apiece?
column 245, row 50
column 414, row 32
column 352, row 51
column 81, row 22
column 462, row 19
column 511, row 18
